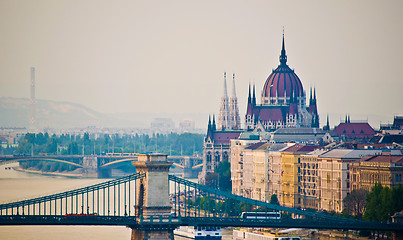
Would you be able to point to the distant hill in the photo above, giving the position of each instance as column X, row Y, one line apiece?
column 15, row 112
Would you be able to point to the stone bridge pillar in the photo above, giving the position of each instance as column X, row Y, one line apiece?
column 90, row 166
column 187, row 168
column 152, row 198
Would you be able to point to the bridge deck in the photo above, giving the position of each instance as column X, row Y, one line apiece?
column 134, row 222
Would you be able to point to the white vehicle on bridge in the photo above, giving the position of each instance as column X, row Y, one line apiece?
column 261, row 215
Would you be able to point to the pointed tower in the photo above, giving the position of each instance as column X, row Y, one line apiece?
column 254, row 96
column 234, row 110
column 209, row 129
column 313, row 109
column 213, row 126
column 224, row 119
column 249, row 118
column 327, row 126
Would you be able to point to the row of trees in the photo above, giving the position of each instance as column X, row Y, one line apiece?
column 377, row 205
column 70, row 144
column 227, row 207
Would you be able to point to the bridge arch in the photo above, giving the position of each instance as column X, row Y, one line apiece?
column 117, row 162
column 41, row 159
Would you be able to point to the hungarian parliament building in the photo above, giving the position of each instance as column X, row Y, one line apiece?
column 283, row 104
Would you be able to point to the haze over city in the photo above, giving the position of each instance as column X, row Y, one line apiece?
column 170, row 56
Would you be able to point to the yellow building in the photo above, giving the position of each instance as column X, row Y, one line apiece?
column 290, row 174
column 385, row 169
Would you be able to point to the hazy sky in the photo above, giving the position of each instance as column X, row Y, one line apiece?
column 170, row 56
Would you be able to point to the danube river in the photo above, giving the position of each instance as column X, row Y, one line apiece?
column 19, row 185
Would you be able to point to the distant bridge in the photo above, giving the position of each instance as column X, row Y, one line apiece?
column 101, row 165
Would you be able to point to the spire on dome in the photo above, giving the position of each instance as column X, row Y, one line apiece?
column 283, row 56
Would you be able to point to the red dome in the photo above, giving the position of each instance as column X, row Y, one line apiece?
column 282, row 82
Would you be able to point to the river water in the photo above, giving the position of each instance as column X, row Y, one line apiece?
column 16, row 186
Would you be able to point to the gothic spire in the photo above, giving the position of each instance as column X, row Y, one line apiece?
column 327, row 123
column 224, row 119
column 235, row 120
column 254, row 96
column 225, row 85
column 310, row 98
column 314, row 93
column 249, row 96
column 233, row 86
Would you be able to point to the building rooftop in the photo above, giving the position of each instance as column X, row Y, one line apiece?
column 297, row 148
column 349, row 153
column 384, row 158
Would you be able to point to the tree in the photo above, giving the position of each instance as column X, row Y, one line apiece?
column 383, row 202
column 211, row 180
column 355, row 202
column 224, row 174
column 274, row 199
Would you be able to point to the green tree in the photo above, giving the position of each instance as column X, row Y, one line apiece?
column 383, row 202
column 274, row 199
column 52, row 146
column 40, row 139
column 355, row 202
column 224, row 175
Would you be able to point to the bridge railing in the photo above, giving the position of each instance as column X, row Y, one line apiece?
column 112, row 198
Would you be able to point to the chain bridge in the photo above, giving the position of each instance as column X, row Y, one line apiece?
column 153, row 203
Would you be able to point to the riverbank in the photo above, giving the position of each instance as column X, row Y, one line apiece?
column 60, row 174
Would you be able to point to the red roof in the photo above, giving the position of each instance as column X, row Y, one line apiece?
column 301, row 148
column 224, row 137
column 355, row 130
column 384, row 158
column 271, row 114
column 255, row 145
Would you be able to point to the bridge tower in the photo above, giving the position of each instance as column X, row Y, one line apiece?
column 152, row 198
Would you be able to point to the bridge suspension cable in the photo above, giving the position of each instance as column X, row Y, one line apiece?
column 112, row 198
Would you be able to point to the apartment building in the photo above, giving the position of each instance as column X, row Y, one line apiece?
column 386, row 169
